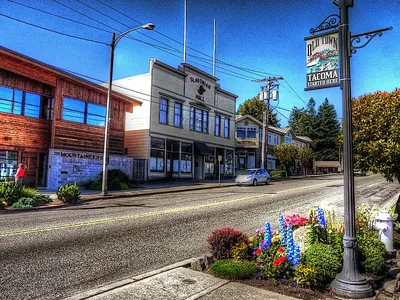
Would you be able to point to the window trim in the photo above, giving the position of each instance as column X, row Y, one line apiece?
column 180, row 114
column 164, row 111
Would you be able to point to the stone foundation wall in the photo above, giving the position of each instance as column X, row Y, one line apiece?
column 66, row 166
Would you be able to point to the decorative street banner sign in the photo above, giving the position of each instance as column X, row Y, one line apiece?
column 322, row 61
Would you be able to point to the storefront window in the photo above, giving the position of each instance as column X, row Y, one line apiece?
column 186, row 163
column 229, row 162
column 157, row 155
column 8, row 165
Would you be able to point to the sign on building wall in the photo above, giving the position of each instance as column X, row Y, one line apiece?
column 322, row 61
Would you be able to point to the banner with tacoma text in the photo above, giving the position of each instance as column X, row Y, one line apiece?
column 322, row 61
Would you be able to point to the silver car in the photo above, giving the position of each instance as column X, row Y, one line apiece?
column 253, row 177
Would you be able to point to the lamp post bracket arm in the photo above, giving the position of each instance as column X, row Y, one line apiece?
column 330, row 22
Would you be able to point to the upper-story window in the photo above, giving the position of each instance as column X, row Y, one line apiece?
column 217, row 125
column 226, row 127
column 83, row 112
column 178, row 115
column 249, row 132
column 288, row 139
column 269, row 138
column 22, row 103
column 163, row 111
column 276, row 139
column 198, row 120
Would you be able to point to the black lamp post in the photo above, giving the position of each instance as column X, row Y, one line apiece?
column 349, row 283
column 114, row 42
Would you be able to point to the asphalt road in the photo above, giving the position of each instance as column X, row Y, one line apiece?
column 53, row 254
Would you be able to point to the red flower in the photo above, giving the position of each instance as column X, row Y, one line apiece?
column 258, row 251
column 275, row 263
column 281, row 259
column 281, row 250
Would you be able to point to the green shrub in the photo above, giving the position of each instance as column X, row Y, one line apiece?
column 222, row 240
column 324, row 259
column 278, row 174
column 28, row 192
column 114, row 185
column 24, row 203
column 371, row 252
column 124, row 186
column 233, row 269
column 306, row 276
column 69, row 193
column 42, row 199
column 10, row 192
column 95, row 185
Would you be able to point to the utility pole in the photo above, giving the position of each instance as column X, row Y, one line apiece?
column 265, row 96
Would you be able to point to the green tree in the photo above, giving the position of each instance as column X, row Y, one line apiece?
column 305, row 155
column 302, row 121
column 254, row 107
column 287, row 155
column 326, row 132
column 376, row 133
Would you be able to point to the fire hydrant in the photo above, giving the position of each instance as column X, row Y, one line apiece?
column 384, row 224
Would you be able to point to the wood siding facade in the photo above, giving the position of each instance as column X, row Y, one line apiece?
column 32, row 137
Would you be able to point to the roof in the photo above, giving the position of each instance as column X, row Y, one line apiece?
column 241, row 118
column 304, row 138
column 327, row 164
column 281, row 130
column 61, row 73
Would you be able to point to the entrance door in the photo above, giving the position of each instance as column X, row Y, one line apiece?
column 169, row 164
column 198, row 166
column 251, row 160
column 30, row 161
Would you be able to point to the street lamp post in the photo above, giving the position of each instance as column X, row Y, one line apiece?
column 114, row 42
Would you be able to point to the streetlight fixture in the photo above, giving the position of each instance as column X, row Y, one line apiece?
column 114, row 42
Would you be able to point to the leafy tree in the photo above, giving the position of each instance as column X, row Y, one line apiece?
column 305, row 155
column 376, row 133
column 254, row 107
column 287, row 155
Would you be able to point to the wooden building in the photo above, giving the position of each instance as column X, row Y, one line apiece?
column 53, row 123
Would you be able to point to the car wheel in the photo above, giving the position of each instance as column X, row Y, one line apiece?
column 255, row 182
column 268, row 181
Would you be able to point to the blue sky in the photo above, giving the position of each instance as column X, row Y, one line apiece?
column 266, row 37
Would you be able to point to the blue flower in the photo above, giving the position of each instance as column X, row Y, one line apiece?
column 282, row 229
column 293, row 284
column 280, row 280
column 321, row 216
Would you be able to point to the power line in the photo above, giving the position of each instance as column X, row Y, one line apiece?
column 254, row 72
column 54, row 31
column 295, row 92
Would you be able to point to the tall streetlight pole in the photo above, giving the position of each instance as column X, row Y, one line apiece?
column 114, row 42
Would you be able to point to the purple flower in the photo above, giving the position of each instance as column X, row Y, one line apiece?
column 293, row 284
column 254, row 252
column 280, row 280
column 261, row 265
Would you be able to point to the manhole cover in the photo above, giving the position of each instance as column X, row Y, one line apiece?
column 189, row 281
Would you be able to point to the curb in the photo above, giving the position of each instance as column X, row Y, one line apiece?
column 392, row 201
column 128, row 280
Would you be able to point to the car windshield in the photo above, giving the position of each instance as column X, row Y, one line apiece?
column 248, row 172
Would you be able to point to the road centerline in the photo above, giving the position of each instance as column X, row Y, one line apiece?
column 156, row 213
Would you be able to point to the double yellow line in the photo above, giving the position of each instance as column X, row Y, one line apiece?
column 156, row 213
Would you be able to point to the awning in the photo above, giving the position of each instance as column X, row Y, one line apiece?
column 201, row 148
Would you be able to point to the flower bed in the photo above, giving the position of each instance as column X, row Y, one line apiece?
column 305, row 252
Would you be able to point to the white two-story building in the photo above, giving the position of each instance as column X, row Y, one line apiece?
column 185, row 123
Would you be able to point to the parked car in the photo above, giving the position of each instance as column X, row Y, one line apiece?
column 359, row 172
column 253, row 177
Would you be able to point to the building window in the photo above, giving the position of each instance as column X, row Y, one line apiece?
column 226, row 128
column 198, row 120
column 269, row 138
column 157, row 154
column 249, row 132
column 8, row 165
column 276, row 139
column 288, row 139
column 82, row 112
column 17, row 102
column 178, row 115
column 186, row 157
column 217, row 125
column 163, row 111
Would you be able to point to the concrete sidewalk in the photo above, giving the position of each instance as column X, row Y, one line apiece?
column 177, row 282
